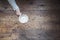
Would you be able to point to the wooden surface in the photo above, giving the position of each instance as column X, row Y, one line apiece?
column 44, row 23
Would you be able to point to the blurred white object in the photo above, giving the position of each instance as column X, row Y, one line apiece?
column 13, row 4
column 23, row 18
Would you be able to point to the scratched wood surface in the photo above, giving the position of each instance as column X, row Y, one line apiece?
column 44, row 21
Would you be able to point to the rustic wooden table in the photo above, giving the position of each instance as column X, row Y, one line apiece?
column 44, row 21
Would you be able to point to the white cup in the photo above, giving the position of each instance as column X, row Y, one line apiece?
column 23, row 18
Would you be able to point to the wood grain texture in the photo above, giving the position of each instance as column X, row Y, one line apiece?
column 44, row 21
